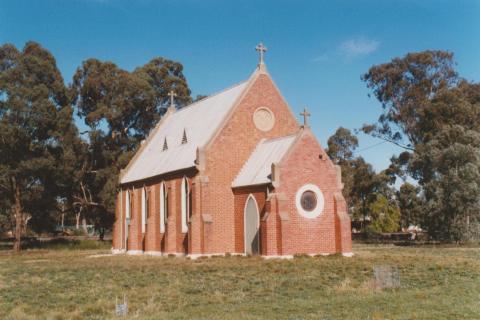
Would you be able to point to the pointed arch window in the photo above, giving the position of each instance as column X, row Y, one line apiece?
column 185, row 196
column 163, row 206
column 144, row 209
column 128, row 207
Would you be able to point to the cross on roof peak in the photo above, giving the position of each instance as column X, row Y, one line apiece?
column 305, row 115
column 261, row 50
column 172, row 96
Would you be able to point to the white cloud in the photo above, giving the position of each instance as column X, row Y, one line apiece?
column 357, row 47
column 320, row 58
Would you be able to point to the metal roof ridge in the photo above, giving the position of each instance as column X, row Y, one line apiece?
column 210, row 96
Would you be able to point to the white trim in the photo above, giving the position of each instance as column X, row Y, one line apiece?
column 347, row 254
column 283, row 257
column 127, row 205
column 118, row 251
column 144, row 209
column 163, row 203
column 134, row 252
column 175, row 254
column 154, row 253
column 320, row 201
column 195, row 256
column 184, row 204
column 245, row 223
column 122, row 220
column 128, row 208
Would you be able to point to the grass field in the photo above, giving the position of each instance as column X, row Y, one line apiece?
column 436, row 283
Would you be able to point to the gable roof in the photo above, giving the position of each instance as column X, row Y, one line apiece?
column 258, row 168
column 200, row 120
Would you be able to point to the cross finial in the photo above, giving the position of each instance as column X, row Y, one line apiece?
column 172, row 96
column 305, row 115
column 261, row 49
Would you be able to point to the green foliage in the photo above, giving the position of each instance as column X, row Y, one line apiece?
column 34, row 117
column 342, row 145
column 361, row 182
column 453, row 192
column 384, row 215
column 410, row 205
column 434, row 115
column 121, row 108
column 405, row 87
column 46, row 167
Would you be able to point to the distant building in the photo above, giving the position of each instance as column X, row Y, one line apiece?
column 232, row 173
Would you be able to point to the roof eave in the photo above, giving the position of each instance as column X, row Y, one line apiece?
column 158, row 175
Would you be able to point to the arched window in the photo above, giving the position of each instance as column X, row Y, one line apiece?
column 127, row 206
column 144, row 209
column 163, row 206
column 128, row 210
column 185, row 205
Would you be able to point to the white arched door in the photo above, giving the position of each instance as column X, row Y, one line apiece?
column 252, row 224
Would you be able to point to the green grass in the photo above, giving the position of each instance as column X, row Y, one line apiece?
column 436, row 283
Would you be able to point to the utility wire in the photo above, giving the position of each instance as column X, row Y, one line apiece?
column 370, row 147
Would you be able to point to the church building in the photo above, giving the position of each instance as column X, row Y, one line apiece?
column 232, row 173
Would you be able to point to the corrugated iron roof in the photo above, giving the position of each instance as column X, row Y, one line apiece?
column 258, row 168
column 199, row 120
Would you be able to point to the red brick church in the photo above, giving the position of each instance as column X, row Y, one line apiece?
column 232, row 173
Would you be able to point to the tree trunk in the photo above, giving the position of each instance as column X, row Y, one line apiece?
column 84, row 225
column 17, row 211
column 77, row 217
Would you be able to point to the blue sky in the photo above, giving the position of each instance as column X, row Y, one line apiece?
column 317, row 49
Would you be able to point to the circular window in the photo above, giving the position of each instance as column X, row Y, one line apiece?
column 263, row 119
column 309, row 201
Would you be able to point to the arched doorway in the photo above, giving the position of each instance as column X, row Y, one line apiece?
column 251, row 227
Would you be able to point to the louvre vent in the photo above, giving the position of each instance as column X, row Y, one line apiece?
column 165, row 145
column 184, row 138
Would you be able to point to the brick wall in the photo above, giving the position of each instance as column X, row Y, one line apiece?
column 153, row 240
column 230, row 149
column 241, row 196
column 307, row 163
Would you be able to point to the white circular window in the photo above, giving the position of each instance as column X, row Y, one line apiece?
column 309, row 201
column 263, row 119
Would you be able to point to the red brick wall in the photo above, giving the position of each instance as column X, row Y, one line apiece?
column 152, row 239
column 301, row 166
column 135, row 236
column 230, row 149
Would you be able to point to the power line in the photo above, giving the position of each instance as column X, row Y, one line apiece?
column 370, row 147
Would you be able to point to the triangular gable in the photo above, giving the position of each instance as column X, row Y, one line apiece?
column 260, row 70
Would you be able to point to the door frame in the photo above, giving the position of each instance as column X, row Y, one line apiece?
column 250, row 196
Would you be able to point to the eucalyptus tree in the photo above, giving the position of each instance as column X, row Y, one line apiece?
column 120, row 108
column 425, row 104
column 34, row 114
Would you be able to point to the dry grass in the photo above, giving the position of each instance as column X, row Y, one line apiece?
column 436, row 283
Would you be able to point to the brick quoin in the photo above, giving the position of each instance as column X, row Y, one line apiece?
column 216, row 225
